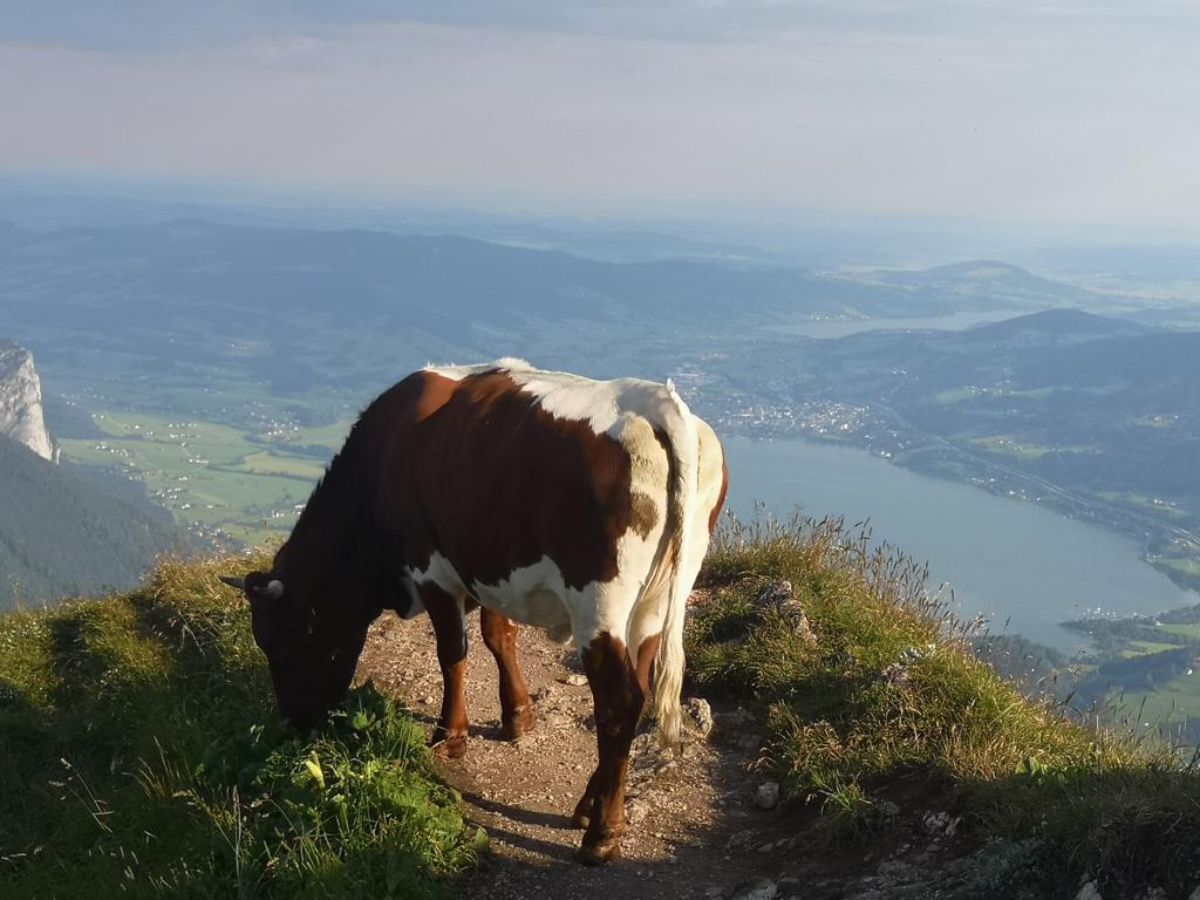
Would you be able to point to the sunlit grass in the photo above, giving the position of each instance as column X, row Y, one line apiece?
column 889, row 697
column 142, row 756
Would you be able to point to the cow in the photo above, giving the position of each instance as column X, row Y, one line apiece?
column 542, row 498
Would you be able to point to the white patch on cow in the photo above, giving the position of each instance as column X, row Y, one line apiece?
column 602, row 404
column 458, row 373
column 439, row 571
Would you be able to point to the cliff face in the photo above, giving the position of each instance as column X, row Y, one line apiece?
column 21, row 417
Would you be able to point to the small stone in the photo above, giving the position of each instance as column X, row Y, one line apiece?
column 635, row 813
column 896, row 673
column 740, row 716
column 1089, row 892
column 574, row 679
column 767, row 795
column 757, row 889
column 740, row 839
column 700, row 714
column 749, row 742
column 889, row 809
column 775, row 594
column 427, row 699
column 941, row 823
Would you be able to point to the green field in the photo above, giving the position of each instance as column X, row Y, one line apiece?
column 216, row 479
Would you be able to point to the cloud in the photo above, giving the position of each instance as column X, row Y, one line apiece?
column 156, row 26
column 834, row 106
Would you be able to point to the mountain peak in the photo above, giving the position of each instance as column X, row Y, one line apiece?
column 21, row 415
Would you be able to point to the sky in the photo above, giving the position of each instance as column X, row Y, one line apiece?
column 1047, row 113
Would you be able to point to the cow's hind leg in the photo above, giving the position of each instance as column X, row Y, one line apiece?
column 500, row 637
column 447, row 614
column 618, row 700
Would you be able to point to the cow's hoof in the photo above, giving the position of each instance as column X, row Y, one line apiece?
column 580, row 820
column 450, row 746
column 598, row 853
column 518, row 725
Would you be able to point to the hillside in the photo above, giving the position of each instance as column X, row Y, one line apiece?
column 143, row 752
column 62, row 535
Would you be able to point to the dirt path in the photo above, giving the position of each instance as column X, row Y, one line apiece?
column 694, row 829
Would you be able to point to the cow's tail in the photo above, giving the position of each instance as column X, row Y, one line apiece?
column 684, row 441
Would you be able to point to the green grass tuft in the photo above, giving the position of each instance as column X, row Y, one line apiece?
column 889, row 701
column 143, row 755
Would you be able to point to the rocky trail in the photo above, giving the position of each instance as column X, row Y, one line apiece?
column 702, row 823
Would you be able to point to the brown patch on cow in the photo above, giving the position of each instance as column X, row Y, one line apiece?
column 618, row 699
column 716, row 510
column 488, row 454
column 436, row 391
column 500, row 637
column 449, row 628
column 647, row 654
column 644, row 514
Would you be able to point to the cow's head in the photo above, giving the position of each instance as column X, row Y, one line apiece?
column 311, row 662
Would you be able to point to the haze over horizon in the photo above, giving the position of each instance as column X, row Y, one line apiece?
column 1053, row 115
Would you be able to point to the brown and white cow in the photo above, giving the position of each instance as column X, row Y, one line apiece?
column 582, row 507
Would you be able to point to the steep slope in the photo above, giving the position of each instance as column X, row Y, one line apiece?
column 60, row 534
column 21, row 414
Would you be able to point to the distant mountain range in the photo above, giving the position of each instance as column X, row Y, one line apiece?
column 234, row 278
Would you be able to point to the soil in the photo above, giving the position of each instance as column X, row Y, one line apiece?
column 694, row 828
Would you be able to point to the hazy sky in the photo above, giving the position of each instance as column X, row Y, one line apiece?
column 1047, row 112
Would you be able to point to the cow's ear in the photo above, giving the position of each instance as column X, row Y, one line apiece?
column 234, row 581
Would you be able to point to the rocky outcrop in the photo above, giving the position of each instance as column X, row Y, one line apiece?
column 21, row 417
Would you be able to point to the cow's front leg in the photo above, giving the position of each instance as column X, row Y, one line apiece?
column 500, row 637
column 618, row 700
column 449, row 626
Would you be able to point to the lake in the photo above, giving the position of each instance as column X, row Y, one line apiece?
column 836, row 328
column 1013, row 561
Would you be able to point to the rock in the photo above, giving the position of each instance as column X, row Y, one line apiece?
column 740, row 716
column 896, row 673
column 775, row 594
column 888, row 809
column 636, row 812
column 740, row 839
column 21, row 415
column 767, row 795
column 941, row 824
column 780, row 596
column 758, row 889
column 1089, row 892
column 1195, row 895
column 701, row 714
column 574, row 679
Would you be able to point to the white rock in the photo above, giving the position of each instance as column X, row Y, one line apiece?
column 574, row 679
column 1089, row 892
column 767, row 795
column 21, row 416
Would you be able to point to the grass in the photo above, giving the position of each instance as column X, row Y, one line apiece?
column 143, row 757
column 888, row 702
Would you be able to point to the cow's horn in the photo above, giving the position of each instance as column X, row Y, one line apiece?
column 239, row 583
column 273, row 590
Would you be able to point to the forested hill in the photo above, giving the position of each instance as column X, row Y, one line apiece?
column 61, row 534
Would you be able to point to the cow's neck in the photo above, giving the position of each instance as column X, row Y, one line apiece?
column 330, row 553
